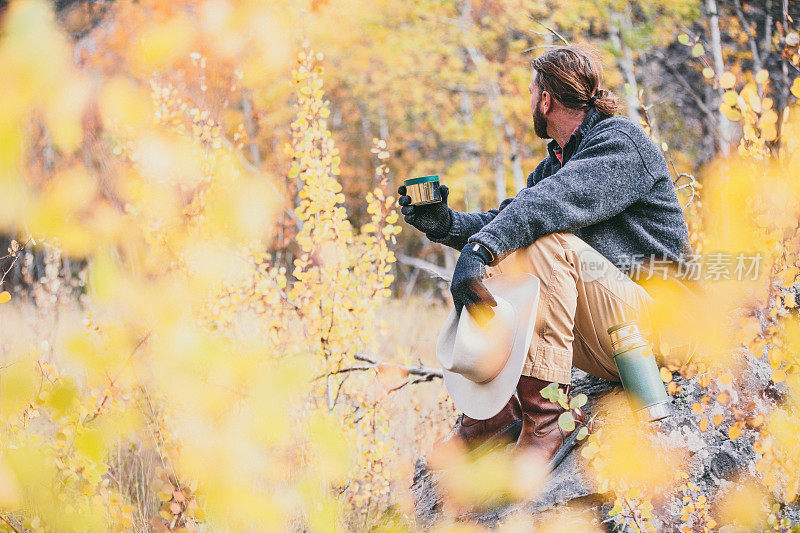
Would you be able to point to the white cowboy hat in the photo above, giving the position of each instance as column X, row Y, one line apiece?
column 482, row 364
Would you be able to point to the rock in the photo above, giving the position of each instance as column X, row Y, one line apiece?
column 722, row 466
column 714, row 460
column 567, row 483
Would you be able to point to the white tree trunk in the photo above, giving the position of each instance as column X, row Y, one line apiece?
column 724, row 126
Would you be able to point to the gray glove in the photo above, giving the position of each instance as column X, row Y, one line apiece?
column 435, row 220
column 467, row 285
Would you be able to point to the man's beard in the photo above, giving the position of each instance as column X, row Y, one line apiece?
column 539, row 121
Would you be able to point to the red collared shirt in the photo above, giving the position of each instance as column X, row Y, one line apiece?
column 558, row 151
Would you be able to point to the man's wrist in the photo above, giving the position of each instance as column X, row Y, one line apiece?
column 480, row 250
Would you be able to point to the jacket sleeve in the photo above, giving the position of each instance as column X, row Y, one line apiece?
column 465, row 225
column 599, row 182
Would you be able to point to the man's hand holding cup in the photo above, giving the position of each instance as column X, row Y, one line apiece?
column 426, row 207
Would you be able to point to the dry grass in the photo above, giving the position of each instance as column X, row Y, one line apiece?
column 419, row 414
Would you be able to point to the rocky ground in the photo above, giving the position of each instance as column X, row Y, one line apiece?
column 714, row 459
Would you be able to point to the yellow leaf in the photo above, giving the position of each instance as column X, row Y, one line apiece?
column 762, row 76
column 727, row 80
column 730, row 98
column 4, row 297
column 789, row 300
column 17, row 386
column 778, row 375
column 90, row 444
column 796, row 87
column 732, row 114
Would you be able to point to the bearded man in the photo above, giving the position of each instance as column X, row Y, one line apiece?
column 600, row 202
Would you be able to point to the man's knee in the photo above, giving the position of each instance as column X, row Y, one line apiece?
column 540, row 257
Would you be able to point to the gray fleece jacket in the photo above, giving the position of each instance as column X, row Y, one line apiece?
column 613, row 190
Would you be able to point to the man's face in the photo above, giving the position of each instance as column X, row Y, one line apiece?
column 539, row 119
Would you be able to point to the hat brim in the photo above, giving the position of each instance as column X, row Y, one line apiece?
column 484, row 400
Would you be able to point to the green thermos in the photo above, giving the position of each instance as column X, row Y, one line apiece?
column 639, row 373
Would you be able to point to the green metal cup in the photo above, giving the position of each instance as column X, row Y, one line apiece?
column 423, row 190
column 639, row 373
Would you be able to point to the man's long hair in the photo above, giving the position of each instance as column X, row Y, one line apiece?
column 572, row 75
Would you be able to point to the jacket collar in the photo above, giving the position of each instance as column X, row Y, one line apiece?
column 557, row 154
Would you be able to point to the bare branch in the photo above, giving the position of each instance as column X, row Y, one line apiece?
column 551, row 30
column 9, row 523
column 686, row 85
column 420, row 370
column 532, row 48
column 752, row 35
column 425, row 373
column 436, row 270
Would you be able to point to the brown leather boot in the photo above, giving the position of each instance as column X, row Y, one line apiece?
column 476, row 437
column 541, row 435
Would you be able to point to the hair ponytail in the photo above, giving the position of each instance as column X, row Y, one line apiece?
column 606, row 102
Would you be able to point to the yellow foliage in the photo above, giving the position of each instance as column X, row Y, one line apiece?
column 742, row 506
column 200, row 346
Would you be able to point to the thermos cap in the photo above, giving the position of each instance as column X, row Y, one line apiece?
column 625, row 336
column 423, row 179
column 620, row 325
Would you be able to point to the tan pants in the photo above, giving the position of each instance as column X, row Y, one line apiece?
column 582, row 294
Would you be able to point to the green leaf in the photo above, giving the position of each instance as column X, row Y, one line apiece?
column 616, row 509
column 549, row 391
column 698, row 50
column 566, row 421
column 582, row 433
column 683, row 38
column 578, row 401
